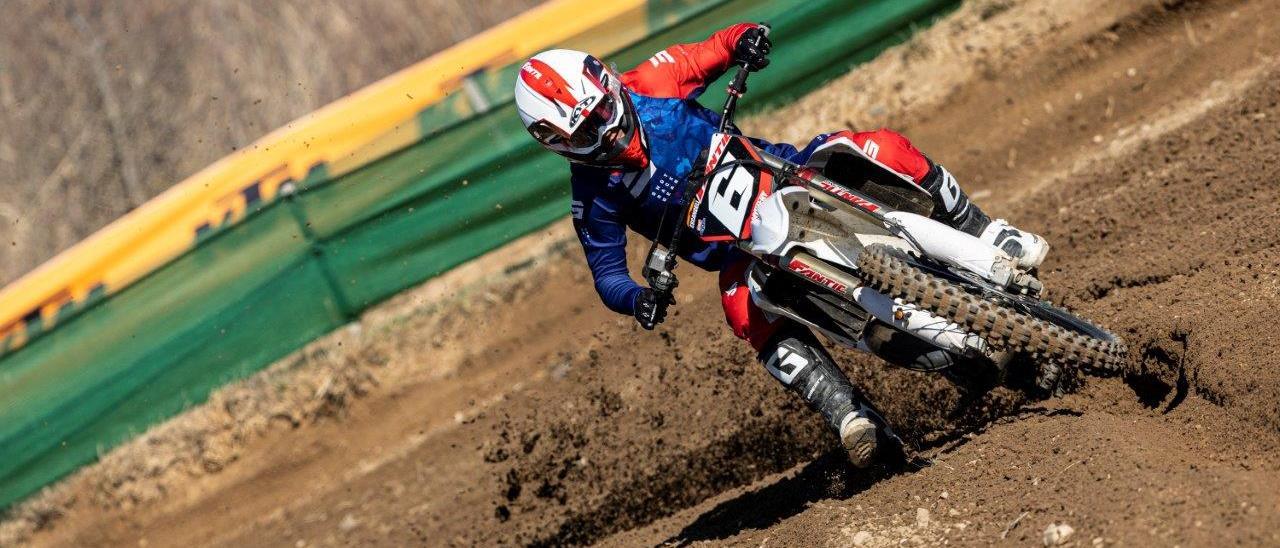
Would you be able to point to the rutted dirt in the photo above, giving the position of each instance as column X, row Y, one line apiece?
column 1143, row 139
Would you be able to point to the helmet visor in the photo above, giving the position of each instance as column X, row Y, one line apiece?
column 546, row 133
column 587, row 135
column 599, row 119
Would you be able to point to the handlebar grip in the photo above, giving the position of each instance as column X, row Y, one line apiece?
column 650, row 319
column 663, row 303
column 739, row 84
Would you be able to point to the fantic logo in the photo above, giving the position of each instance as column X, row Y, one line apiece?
column 719, row 142
column 803, row 269
column 849, row 197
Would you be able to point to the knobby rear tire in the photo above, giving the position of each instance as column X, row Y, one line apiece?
column 892, row 272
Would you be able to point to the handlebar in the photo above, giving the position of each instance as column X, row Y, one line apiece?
column 737, row 87
column 658, row 268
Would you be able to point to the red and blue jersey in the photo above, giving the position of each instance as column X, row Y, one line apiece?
column 675, row 128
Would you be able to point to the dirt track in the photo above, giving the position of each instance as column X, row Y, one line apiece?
column 1142, row 139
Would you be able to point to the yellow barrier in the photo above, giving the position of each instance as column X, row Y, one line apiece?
column 343, row 135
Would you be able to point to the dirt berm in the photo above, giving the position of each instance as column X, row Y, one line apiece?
column 1141, row 138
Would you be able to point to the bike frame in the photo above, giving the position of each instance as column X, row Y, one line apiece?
column 885, row 224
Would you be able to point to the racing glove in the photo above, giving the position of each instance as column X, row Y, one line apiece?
column 752, row 49
column 650, row 309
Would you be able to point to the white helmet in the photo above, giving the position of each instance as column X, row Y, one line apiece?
column 576, row 107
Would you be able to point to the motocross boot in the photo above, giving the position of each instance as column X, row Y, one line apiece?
column 953, row 207
column 1028, row 248
column 800, row 363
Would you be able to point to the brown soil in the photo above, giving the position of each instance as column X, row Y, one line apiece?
column 1142, row 138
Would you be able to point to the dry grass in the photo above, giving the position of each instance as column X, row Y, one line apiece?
column 105, row 104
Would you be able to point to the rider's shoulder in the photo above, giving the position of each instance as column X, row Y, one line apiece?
column 653, row 81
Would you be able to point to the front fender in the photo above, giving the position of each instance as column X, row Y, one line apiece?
column 956, row 248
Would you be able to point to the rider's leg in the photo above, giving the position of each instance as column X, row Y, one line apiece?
column 968, row 372
column 951, row 205
column 796, row 358
column 746, row 319
column 793, row 355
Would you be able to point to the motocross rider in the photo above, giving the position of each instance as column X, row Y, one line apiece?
column 632, row 138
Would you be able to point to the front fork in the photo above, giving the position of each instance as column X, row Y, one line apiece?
column 905, row 317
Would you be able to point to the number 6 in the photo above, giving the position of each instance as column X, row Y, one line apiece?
column 730, row 196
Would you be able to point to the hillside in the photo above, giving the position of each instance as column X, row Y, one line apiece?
column 103, row 106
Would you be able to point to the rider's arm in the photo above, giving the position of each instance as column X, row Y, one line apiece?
column 684, row 70
column 604, row 241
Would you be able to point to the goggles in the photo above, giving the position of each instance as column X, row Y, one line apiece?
column 589, row 132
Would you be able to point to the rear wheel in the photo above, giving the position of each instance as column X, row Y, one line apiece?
column 1014, row 322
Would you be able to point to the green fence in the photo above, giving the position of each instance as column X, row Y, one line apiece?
column 303, row 265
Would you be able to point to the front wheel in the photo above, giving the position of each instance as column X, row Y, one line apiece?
column 1014, row 322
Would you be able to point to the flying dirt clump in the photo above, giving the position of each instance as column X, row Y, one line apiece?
column 1057, row 533
column 574, row 462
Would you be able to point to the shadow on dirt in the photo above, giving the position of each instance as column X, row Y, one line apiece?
column 828, row 477
column 543, row 482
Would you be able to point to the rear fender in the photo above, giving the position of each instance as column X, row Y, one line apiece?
column 843, row 161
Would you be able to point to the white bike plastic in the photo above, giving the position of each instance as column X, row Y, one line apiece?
column 920, row 323
column 954, row 247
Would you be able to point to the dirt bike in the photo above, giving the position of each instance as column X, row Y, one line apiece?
column 845, row 246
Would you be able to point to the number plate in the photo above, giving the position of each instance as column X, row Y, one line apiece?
column 723, row 206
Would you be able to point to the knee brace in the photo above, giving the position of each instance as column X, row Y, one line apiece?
column 950, row 204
